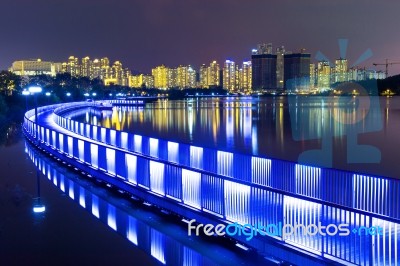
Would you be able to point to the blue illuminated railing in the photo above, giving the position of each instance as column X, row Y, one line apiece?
column 146, row 165
column 330, row 185
column 141, row 232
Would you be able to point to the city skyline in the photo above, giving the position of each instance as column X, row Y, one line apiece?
column 190, row 33
column 269, row 69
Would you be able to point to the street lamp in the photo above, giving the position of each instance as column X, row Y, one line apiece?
column 48, row 94
column 26, row 93
column 35, row 90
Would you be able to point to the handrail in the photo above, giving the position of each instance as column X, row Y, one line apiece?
column 215, row 195
column 335, row 186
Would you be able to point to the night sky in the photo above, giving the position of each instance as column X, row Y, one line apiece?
column 146, row 33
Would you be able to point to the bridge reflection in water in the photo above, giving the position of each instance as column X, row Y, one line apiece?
column 218, row 186
column 165, row 243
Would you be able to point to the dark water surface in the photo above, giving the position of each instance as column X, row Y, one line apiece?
column 280, row 127
column 68, row 233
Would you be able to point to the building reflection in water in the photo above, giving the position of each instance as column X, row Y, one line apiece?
column 280, row 127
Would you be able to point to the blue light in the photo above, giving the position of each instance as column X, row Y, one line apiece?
column 35, row 89
column 111, row 218
column 39, row 209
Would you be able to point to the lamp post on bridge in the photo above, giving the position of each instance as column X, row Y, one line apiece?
column 26, row 93
column 34, row 90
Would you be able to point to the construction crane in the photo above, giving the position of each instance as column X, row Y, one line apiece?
column 387, row 64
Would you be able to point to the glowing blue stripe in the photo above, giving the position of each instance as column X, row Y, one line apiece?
column 95, row 206
column 131, row 166
column 157, row 177
column 124, row 140
column 82, row 201
column 225, row 161
column 94, row 155
column 153, row 147
column 173, row 152
column 137, row 143
column 110, row 161
column 237, row 202
column 81, row 149
column 157, row 246
column 196, row 157
column 111, row 218
column 71, row 190
column 191, row 188
column 131, row 233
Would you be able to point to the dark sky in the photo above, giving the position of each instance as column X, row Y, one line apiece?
column 146, row 33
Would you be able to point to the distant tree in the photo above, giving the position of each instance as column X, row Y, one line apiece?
column 9, row 83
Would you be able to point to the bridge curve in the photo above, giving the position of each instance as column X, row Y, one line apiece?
column 220, row 186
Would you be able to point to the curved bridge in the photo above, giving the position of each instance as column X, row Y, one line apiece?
column 215, row 186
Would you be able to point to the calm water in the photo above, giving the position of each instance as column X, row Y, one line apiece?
column 283, row 127
column 68, row 233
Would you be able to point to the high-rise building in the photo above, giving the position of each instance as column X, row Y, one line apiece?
column 182, row 77
column 213, row 74
column 172, row 78
column 114, row 75
column 35, row 67
column 313, row 76
column 297, row 71
column 264, row 48
column 191, row 73
column 96, row 68
column 125, row 77
column 263, row 71
column 341, row 72
column 148, row 81
column 141, row 80
column 86, row 68
column 105, row 68
column 324, row 75
column 72, row 66
column 161, row 75
column 203, row 78
column 280, row 67
column 117, row 72
column 229, row 76
column 245, row 74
